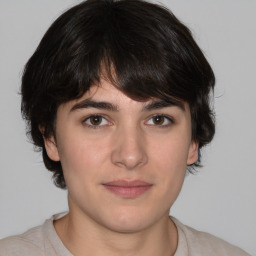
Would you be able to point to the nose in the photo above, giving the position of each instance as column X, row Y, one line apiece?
column 129, row 149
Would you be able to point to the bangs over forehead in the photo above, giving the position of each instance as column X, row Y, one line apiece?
column 144, row 56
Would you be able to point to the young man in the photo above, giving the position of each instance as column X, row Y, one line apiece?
column 117, row 97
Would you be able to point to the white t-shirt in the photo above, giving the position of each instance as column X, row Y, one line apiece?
column 44, row 241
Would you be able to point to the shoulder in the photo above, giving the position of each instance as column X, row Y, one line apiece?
column 202, row 243
column 28, row 243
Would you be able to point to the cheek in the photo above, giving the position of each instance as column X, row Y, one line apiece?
column 81, row 158
column 169, row 160
column 171, row 154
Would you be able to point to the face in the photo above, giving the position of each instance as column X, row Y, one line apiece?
column 124, row 161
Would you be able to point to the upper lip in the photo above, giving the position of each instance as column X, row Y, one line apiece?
column 127, row 183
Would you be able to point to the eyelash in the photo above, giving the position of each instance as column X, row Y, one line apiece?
column 95, row 126
column 167, row 118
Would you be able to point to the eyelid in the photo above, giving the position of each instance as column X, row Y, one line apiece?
column 169, row 118
column 96, row 126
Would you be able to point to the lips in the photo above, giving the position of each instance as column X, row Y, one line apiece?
column 126, row 188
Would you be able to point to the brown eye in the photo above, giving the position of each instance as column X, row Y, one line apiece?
column 158, row 120
column 95, row 120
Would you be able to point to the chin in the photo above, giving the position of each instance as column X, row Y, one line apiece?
column 129, row 221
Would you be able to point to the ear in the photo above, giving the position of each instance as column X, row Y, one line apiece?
column 50, row 146
column 193, row 153
column 51, row 149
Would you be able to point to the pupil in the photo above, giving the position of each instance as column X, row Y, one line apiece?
column 158, row 120
column 96, row 120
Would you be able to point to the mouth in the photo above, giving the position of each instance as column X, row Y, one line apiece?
column 128, row 189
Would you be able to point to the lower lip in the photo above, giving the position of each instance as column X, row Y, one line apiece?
column 128, row 192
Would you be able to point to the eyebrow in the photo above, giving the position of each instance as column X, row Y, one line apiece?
column 89, row 103
column 159, row 104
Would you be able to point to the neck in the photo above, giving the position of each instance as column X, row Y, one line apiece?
column 83, row 236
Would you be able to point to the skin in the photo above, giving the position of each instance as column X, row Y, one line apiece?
column 128, row 142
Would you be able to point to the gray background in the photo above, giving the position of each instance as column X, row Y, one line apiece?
column 220, row 198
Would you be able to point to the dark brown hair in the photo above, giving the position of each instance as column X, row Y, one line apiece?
column 150, row 51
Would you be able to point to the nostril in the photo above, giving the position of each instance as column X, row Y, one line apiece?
column 129, row 157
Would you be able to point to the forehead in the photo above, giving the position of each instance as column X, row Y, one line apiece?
column 105, row 95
